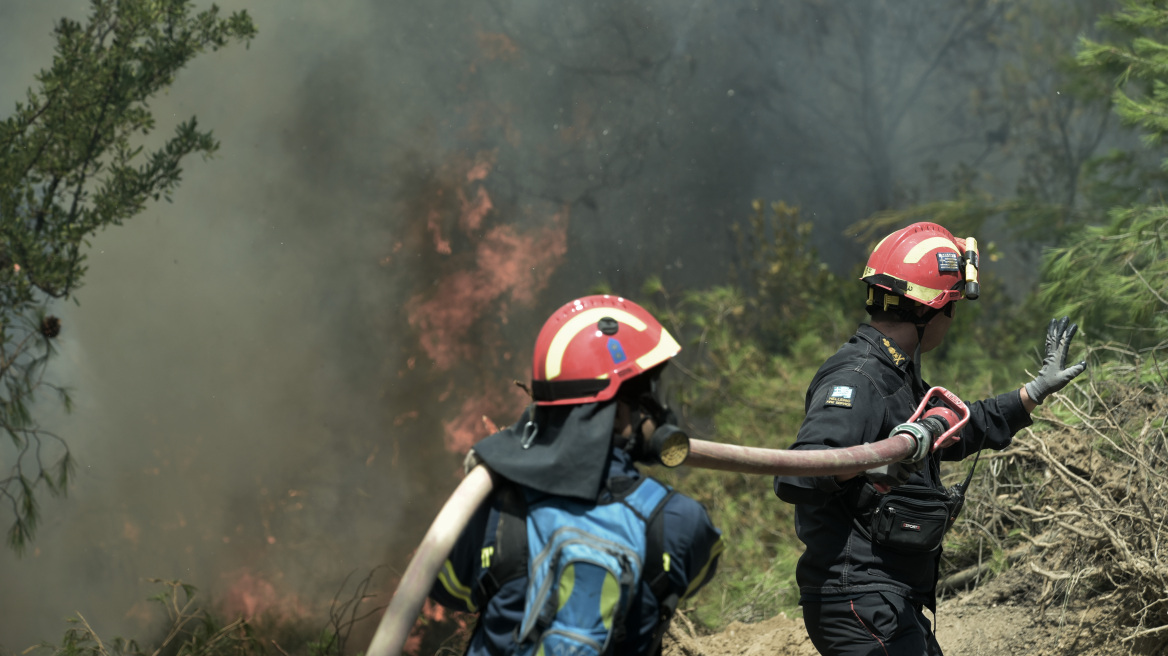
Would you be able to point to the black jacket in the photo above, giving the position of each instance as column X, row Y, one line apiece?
column 857, row 397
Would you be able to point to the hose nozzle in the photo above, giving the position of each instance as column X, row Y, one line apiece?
column 668, row 446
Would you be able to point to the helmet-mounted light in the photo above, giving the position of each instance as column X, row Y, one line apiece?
column 972, row 262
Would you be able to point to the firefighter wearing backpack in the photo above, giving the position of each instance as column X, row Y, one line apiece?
column 575, row 550
column 874, row 541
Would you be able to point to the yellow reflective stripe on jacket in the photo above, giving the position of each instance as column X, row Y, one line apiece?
column 703, row 574
column 455, row 587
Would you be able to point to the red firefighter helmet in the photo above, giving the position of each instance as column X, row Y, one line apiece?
column 591, row 345
column 923, row 262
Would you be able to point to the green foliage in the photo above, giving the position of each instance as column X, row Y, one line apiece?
column 1139, row 67
column 1113, row 275
column 748, row 356
column 1114, row 278
column 71, row 163
column 787, row 287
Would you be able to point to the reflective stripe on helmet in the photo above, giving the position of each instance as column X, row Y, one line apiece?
column 923, row 294
column 666, row 348
column 925, row 247
column 582, row 321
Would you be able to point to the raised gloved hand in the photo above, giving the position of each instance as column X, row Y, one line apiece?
column 1055, row 374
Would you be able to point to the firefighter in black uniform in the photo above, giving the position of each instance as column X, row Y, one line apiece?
column 863, row 581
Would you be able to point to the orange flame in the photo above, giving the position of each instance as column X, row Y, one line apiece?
column 250, row 596
column 495, row 268
column 434, row 225
column 432, row 613
column 479, row 171
column 473, row 424
column 497, row 46
column 507, row 262
column 474, row 211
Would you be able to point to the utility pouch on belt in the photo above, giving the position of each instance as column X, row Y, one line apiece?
column 912, row 518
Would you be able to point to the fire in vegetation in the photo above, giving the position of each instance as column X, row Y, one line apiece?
column 439, row 630
column 492, row 264
column 256, row 599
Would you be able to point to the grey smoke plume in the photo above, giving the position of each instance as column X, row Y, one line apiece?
column 272, row 373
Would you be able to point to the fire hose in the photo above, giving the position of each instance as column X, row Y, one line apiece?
column 439, row 540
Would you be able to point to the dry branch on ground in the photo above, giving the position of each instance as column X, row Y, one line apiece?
column 1080, row 502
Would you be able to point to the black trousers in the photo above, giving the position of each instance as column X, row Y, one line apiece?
column 873, row 624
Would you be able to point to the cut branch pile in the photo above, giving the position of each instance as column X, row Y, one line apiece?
column 1080, row 502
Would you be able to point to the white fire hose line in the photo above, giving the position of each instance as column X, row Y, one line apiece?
column 423, row 569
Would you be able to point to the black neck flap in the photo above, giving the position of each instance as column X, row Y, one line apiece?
column 560, row 450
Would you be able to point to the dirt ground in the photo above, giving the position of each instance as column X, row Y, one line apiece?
column 999, row 619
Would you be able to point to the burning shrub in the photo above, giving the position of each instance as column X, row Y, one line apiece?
column 191, row 630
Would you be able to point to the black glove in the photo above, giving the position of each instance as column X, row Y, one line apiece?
column 1055, row 374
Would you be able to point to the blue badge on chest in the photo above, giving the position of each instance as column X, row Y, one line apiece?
column 841, row 396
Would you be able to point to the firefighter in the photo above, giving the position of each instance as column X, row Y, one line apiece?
column 874, row 541
column 532, row 561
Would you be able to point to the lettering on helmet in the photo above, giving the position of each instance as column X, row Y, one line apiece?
column 948, row 262
column 841, row 396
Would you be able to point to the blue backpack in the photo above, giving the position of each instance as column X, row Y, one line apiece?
column 585, row 563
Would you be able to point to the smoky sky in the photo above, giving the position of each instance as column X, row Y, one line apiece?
column 273, row 372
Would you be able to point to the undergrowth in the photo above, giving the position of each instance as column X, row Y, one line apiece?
column 1079, row 504
column 190, row 628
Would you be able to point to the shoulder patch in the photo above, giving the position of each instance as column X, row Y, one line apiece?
column 841, row 396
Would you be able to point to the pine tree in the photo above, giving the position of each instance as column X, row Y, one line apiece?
column 1114, row 277
column 71, row 164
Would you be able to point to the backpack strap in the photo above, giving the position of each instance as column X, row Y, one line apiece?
column 507, row 560
column 656, row 573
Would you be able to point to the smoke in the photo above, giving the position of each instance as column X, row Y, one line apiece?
column 274, row 375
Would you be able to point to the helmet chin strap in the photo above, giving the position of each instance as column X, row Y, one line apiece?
column 918, row 385
column 921, row 323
